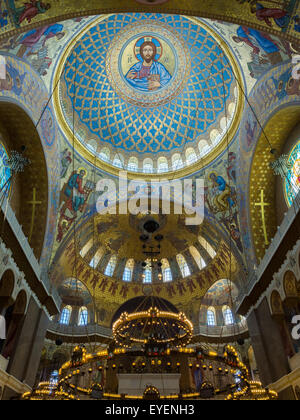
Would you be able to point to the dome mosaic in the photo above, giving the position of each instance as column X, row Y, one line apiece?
column 150, row 93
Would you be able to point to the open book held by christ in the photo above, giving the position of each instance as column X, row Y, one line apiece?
column 154, row 78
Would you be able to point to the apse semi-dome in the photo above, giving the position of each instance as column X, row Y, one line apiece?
column 148, row 92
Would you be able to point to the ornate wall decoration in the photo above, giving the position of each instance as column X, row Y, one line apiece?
column 117, row 104
column 24, row 87
column 279, row 18
column 275, row 94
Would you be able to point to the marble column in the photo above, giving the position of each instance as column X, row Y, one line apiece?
column 25, row 358
column 267, row 344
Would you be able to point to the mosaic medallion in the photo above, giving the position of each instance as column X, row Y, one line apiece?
column 148, row 65
column 145, row 85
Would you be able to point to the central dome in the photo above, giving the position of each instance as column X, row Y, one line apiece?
column 151, row 93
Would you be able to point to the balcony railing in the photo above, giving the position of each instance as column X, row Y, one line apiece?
column 80, row 331
column 225, row 331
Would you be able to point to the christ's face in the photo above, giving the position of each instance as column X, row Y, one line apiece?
column 148, row 53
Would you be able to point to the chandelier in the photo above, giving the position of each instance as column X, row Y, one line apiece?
column 153, row 329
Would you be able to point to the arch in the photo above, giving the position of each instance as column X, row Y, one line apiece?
column 228, row 316
column 133, row 164
column 86, row 248
column 14, row 320
column 148, row 167
column 20, row 303
column 111, row 266
column 230, row 12
column 105, row 154
column 147, row 275
column 65, row 316
column 184, row 268
column 203, row 147
column 290, row 285
column 276, row 304
column 7, row 285
column 190, row 156
column 118, row 161
column 162, row 165
column 211, row 317
column 128, row 271
column 97, row 257
column 206, row 245
column 18, row 130
column 83, row 316
column 197, row 257
column 276, row 128
column 166, row 271
column 177, row 162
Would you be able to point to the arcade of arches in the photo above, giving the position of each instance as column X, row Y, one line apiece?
column 149, row 199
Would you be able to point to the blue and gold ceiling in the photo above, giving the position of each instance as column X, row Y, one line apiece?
column 111, row 105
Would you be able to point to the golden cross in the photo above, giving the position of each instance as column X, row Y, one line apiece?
column 34, row 203
column 262, row 205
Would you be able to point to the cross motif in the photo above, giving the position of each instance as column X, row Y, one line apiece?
column 34, row 203
column 262, row 205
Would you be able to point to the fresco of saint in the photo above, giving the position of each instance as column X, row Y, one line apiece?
column 148, row 74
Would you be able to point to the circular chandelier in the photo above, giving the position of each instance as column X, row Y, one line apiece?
column 153, row 329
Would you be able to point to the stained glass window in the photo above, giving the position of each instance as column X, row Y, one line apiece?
column 292, row 183
column 5, row 172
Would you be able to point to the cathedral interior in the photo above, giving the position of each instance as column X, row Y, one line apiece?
column 150, row 200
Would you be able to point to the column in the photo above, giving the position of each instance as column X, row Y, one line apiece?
column 24, row 361
column 267, row 345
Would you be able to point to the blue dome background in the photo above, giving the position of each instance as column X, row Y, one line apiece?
column 102, row 114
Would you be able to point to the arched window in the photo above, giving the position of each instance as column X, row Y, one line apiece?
column 83, row 317
column 65, row 315
column 105, row 154
column 86, row 248
column 162, row 165
column 211, row 317
column 147, row 276
column 118, row 162
column 166, row 271
column 177, row 162
column 111, row 266
column 184, row 268
column 211, row 252
column 128, row 271
column 5, row 171
column 292, row 181
column 228, row 317
column 148, row 166
column 197, row 257
column 191, row 156
column 204, row 147
column 133, row 164
column 96, row 258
